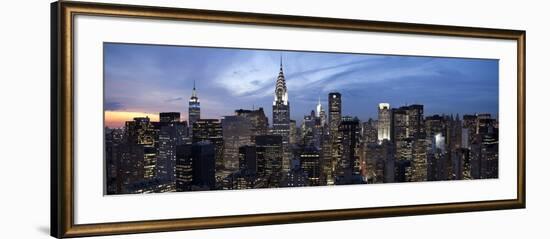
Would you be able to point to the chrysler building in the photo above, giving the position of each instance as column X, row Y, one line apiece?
column 281, row 116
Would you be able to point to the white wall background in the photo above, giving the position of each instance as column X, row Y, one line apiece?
column 24, row 117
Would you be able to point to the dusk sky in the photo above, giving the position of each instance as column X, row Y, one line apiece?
column 147, row 79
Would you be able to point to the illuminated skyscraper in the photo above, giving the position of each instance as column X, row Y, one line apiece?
column 334, row 112
column 348, row 142
column 194, row 108
column 269, row 158
column 415, row 121
column 210, row 130
column 384, row 122
column 281, row 116
column 321, row 113
column 310, row 163
column 171, row 133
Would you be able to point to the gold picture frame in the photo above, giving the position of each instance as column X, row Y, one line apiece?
column 62, row 123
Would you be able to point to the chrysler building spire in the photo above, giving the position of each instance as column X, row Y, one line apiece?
column 281, row 94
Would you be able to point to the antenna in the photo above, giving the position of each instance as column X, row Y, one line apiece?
column 281, row 60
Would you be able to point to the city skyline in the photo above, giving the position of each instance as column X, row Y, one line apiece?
column 140, row 81
column 286, row 144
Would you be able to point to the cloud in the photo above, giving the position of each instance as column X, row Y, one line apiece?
column 113, row 105
column 173, row 99
column 148, row 78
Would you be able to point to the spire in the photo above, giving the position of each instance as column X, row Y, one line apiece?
column 281, row 62
column 280, row 86
column 194, row 94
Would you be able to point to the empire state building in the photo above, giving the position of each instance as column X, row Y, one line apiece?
column 281, row 116
column 194, row 108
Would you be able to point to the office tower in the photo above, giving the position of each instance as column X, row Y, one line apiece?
column 326, row 159
column 402, row 170
column 321, row 113
column 293, row 135
column 239, row 180
column 384, row 122
column 334, row 112
column 419, row 163
column 237, row 132
column 171, row 134
column 484, row 156
column 460, row 159
column 469, row 124
column 210, row 130
column 485, row 124
column 369, row 132
column 203, row 160
column 194, row 108
column 294, row 178
column 169, row 117
column 380, row 162
column 281, row 116
column 453, row 127
column 348, row 144
column 269, row 158
column 113, row 151
column 307, row 128
column 465, row 138
column 257, row 118
column 398, row 124
column 311, row 165
column 184, row 168
column 415, row 121
column 399, row 137
column 141, row 153
column 247, row 158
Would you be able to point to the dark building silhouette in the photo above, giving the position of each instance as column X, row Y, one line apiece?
column 184, row 168
column 203, row 160
column 247, row 159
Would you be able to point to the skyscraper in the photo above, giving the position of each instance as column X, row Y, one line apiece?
column 184, row 168
column 210, row 130
column 269, row 156
column 348, row 142
column 310, row 163
column 247, row 158
column 415, row 121
column 321, row 113
column 171, row 134
column 203, row 161
column 384, row 122
column 194, row 108
column 237, row 132
column 281, row 116
column 257, row 118
column 334, row 111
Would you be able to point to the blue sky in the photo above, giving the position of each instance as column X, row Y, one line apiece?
column 153, row 78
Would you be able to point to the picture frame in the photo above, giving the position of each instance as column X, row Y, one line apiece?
column 63, row 120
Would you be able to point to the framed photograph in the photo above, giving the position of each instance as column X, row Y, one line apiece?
column 169, row 119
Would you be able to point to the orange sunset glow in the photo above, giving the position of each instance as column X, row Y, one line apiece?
column 116, row 119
